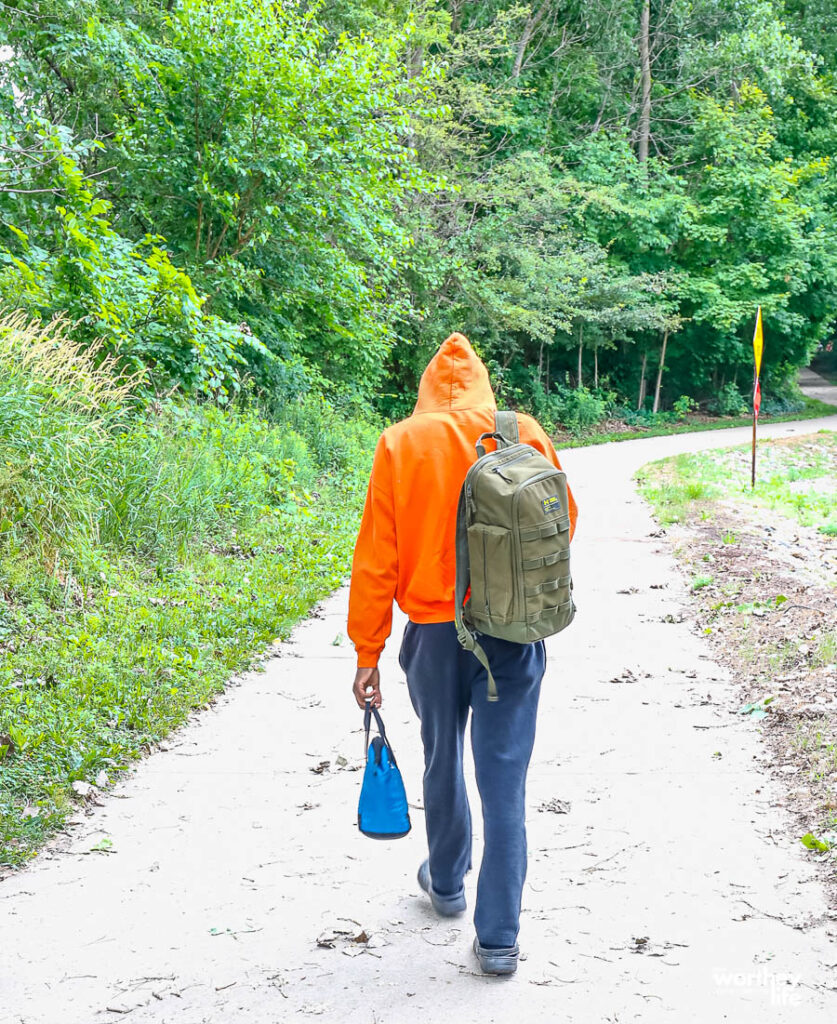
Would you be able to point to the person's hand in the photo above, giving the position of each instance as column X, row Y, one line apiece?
column 367, row 687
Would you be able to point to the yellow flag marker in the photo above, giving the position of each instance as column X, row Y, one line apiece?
column 758, row 342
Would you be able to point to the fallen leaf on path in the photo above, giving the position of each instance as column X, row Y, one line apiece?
column 450, row 937
column 214, row 932
column 556, row 806
column 323, row 766
column 343, row 930
column 643, row 944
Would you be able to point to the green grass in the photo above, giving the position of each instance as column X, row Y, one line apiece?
column 794, row 477
column 701, row 581
column 86, row 689
column 146, row 555
column 814, row 409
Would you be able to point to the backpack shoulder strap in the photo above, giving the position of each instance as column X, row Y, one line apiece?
column 505, row 423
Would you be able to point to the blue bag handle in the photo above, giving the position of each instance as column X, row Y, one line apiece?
column 368, row 712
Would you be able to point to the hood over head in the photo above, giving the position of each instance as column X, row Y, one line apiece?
column 455, row 378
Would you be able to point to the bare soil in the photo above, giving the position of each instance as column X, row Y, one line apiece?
column 770, row 615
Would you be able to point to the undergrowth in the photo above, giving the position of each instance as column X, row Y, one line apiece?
column 147, row 553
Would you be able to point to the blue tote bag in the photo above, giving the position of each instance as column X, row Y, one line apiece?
column 382, row 809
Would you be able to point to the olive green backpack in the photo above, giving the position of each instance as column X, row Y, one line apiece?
column 512, row 546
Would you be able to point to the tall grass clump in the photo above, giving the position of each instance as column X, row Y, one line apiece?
column 85, row 464
column 59, row 407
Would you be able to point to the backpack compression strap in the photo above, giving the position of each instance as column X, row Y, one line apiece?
column 505, row 427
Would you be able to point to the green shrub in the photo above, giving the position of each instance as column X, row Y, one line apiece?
column 684, row 406
column 577, row 409
column 580, row 409
column 728, row 401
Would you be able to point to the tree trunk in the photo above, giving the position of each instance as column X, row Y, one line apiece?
column 645, row 79
column 547, row 371
column 660, row 372
column 532, row 23
column 595, row 367
column 641, row 400
column 580, row 349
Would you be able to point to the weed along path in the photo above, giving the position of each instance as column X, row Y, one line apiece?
column 225, row 880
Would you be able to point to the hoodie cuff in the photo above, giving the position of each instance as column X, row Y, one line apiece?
column 367, row 657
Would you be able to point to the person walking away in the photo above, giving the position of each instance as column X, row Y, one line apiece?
column 405, row 552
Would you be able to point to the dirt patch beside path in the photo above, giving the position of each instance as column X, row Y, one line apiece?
column 766, row 589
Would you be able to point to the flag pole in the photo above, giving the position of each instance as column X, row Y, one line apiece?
column 753, row 465
column 758, row 347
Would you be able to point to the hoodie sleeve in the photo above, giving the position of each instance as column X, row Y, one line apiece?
column 540, row 440
column 375, row 565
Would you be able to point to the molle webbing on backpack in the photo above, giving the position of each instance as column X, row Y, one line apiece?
column 512, row 546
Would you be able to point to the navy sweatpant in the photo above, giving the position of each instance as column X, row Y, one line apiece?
column 445, row 682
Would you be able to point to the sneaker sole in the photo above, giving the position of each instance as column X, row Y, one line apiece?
column 494, row 965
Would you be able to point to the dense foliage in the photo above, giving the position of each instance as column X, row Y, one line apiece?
column 315, row 194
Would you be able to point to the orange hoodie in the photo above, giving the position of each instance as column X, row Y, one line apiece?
column 406, row 546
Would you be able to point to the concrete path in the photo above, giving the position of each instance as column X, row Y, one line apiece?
column 815, row 386
column 673, row 889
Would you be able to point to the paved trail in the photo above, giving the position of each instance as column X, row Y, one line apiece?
column 816, row 386
column 671, row 891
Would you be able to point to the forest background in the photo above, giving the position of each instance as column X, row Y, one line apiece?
column 312, row 196
column 232, row 232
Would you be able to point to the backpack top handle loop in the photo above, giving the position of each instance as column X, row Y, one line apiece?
column 505, row 431
column 501, row 441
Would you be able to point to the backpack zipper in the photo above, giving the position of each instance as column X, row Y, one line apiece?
column 480, row 465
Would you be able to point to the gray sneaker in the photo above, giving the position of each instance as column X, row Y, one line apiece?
column 497, row 961
column 445, row 906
